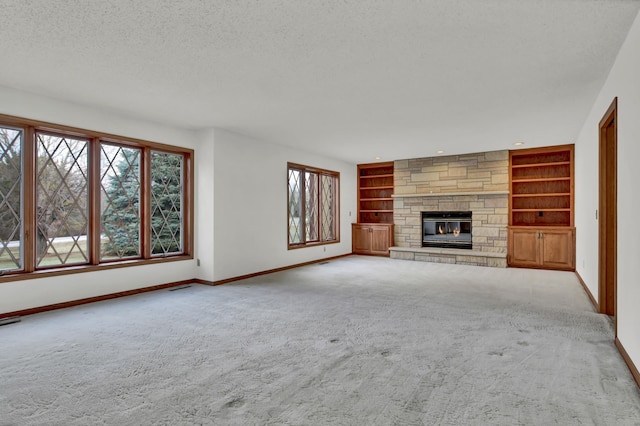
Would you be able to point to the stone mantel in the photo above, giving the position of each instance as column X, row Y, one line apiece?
column 450, row 194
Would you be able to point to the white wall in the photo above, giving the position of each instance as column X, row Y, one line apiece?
column 623, row 82
column 250, row 190
column 27, row 294
column 204, row 198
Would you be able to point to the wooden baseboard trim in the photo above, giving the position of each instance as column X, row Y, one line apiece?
column 270, row 271
column 204, row 282
column 627, row 359
column 586, row 290
column 69, row 304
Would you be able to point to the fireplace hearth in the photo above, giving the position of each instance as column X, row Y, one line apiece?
column 447, row 229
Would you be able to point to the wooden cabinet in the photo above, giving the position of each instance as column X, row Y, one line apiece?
column 375, row 187
column 541, row 200
column 548, row 248
column 372, row 238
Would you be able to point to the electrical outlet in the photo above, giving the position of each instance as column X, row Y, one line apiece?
column 198, row 262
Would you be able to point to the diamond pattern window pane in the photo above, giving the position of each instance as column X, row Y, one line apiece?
column 62, row 210
column 328, row 203
column 295, row 206
column 119, row 202
column 10, row 199
column 311, row 206
column 166, row 203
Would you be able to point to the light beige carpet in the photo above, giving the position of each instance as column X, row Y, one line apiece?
column 357, row 341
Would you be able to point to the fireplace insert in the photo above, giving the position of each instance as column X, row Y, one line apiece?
column 446, row 229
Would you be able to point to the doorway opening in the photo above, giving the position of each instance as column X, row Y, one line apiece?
column 608, row 211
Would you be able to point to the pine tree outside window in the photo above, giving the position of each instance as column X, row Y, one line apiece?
column 166, row 203
column 120, row 202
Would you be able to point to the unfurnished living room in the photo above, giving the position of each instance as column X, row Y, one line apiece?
column 321, row 212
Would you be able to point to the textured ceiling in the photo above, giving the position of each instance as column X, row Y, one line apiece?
column 351, row 79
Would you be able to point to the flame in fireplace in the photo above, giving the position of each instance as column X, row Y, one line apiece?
column 456, row 232
column 440, row 230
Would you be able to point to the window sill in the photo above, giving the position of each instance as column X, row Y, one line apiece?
column 314, row 244
column 21, row 276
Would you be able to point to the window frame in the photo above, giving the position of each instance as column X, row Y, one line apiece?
column 29, row 181
column 335, row 208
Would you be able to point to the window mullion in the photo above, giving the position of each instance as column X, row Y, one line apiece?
column 320, row 206
column 145, row 199
column 303, row 206
column 94, row 201
column 29, row 199
column 316, row 206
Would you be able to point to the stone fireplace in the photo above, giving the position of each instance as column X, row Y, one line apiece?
column 477, row 184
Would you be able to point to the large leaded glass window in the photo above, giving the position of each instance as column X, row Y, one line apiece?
column 166, row 203
column 10, row 198
column 74, row 200
column 312, row 205
column 62, row 207
column 119, row 202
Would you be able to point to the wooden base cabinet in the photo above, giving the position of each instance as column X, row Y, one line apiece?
column 544, row 247
column 372, row 238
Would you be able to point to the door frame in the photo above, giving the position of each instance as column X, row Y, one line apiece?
column 608, row 213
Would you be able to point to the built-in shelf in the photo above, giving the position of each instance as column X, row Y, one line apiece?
column 553, row 164
column 546, row 179
column 375, row 193
column 551, row 194
column 541, row 187
column 378, row 176
column 377, row 187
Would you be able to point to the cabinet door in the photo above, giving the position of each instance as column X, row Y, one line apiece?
column 380, row 241
column 523, row 247
column 556, row 249
column 361, row 238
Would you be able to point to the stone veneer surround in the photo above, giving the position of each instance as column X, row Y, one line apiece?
column 477, row 182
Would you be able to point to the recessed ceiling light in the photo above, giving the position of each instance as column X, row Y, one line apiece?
column 518, row 143
column 377, row 158
column 439, row 151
